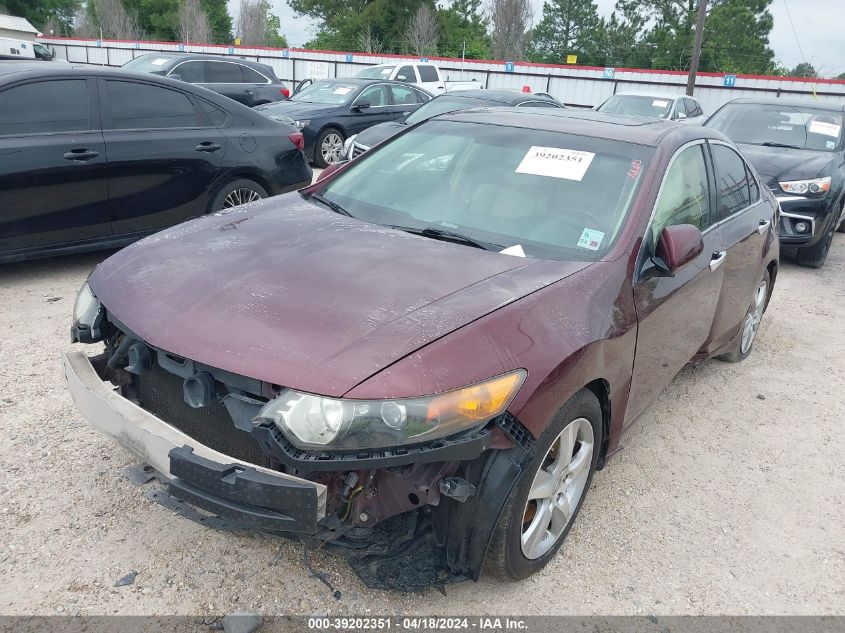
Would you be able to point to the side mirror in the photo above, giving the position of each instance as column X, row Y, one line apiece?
column 361, row 105
column 677, row 246
column 332, row 168
column 681, row 115
column 401, row 78
column 176, row 76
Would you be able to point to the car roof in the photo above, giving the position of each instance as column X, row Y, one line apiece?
column 361, row 81
column 497, row 96
column 795, row 103
column 658, row 95
column 631, row 129
column 203, row 57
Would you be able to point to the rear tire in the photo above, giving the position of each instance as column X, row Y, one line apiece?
column 235, row 193
column 524, row 540
column 751, row 322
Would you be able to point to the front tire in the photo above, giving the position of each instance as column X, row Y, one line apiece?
column 328, row 148
column 751, row 322
column 235, row 193
column 543, row 505
column 815, row 256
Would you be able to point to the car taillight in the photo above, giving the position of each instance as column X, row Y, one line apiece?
column 285, row 92
column 298, row 140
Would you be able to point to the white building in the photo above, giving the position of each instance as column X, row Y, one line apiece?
column 17, row 28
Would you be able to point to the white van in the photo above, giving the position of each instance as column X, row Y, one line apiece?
column 16, row 49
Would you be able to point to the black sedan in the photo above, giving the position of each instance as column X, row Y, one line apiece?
column 449, row 102
column 330, row 111
column 799, row 150
column 96, row 158
column 250, row 83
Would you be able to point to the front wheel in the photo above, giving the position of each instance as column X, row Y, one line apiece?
column 816, row 255
column 329, row 148
column 543, row 505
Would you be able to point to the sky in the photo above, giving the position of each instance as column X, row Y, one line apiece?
column 818, row 24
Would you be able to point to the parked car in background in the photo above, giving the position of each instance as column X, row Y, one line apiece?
column 424, row 357
column 244, row 81
column 16, row 49
column 330, row 111
column 423, row 75
column 671, row 107
column 97, row 158
column 799, row 150
column 357, row 144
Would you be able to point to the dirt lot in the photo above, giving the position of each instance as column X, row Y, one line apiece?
column 728, row 496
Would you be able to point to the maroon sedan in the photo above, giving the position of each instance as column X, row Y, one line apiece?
column 424, row 358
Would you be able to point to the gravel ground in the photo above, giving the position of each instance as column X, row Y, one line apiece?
column 726, row 499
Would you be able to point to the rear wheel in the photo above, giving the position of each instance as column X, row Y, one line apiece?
column 328, row 148
column 751, row 323
column 235, row 193
column 543, row 505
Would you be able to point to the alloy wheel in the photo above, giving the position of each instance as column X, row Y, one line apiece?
column 754, row 317
column 331, row 148
column 557, row 488
column 240, row 196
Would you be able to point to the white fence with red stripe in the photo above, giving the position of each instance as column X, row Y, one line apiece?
column 573, row 85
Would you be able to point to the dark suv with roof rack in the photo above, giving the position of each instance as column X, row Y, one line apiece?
column 250, row 83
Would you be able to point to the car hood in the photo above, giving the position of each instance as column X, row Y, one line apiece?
column 379, row 133
column 776, row 164
column 294, row 109
column 292, row 294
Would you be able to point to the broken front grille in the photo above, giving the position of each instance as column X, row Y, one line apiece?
column 160, row 393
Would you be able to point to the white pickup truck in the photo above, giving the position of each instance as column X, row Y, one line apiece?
column 421, row 74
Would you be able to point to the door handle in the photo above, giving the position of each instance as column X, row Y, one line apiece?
column 81, row 154
column 718, row 259
column 249, row 92
column 764, row 226
column 207, row 146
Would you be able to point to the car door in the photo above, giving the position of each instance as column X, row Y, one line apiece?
column 676, row 313
column 430, row 79
column 256, row 87
column 404, row 100
column 53, row 175
column 163, row 154
column 228, row 79
column 746, row 222
column 378, row 111
column 191, row 71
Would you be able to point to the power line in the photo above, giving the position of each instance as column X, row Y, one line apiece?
column 794, row 31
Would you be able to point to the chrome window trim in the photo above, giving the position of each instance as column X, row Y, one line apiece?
column 750, row 171
column 385, row 85
column 221, row 61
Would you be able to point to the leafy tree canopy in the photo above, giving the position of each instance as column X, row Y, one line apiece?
column 38, row 12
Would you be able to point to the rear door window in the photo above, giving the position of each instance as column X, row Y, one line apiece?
column 253, row 77
column 428, row 74
column 732, row 182
column 224, row 73
column 403, row 95
column 44, row 107
column 143, row 106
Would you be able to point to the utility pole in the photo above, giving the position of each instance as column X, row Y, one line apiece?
column 696, row 51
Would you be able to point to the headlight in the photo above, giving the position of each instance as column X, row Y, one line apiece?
column 816, row 185
column 347, row 146
column 87, row 316
column 327, row 423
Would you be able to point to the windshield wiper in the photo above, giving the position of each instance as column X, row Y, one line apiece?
column 773, row 144
column 334, row 206
column 448, row 236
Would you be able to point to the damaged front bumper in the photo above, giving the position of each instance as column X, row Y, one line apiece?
column 248, row 493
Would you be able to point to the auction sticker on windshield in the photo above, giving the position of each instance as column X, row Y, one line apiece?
column 554, row 162
column 828, row 129
column 591, row 239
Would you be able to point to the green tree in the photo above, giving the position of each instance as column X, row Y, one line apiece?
column 616, row 41
column 159, row 19
column 341, row 22
column 274, row 34
column 804, row 69
column 840, row 76
column 566, row 28
column 38, row 12
column 735, row 34
column 463, row 22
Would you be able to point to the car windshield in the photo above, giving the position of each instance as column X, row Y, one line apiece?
column 327, row 92
column 540, row 194
column 638, row 105
column 154, row 63
column 376, row 72
column 780, row 126
column 444, row 104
